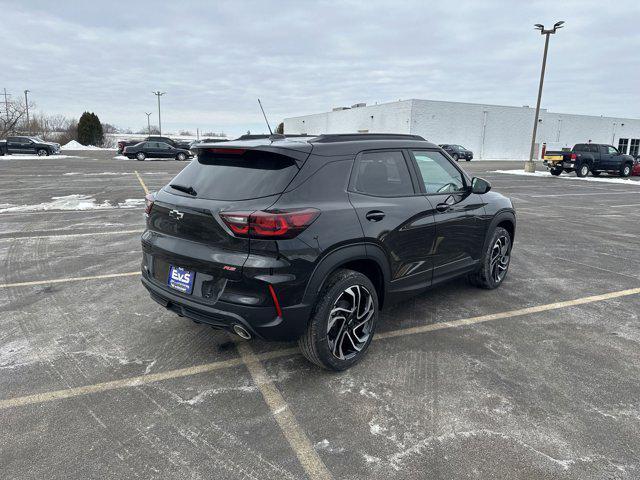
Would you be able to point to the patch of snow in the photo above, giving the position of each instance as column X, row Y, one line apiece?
column 99, row 174
column 73, row 145
column 370, row 458
column 621, row 181
column 73, row 202
column 18, row 156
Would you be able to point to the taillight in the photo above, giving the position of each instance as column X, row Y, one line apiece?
column 573, row 156
column 148, row 203
column 274, row 224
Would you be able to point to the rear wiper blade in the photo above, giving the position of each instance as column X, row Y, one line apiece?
column 184, row 189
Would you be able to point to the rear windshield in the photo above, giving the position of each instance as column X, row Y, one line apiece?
column 237, row 177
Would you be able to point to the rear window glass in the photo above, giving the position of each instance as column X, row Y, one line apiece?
column 237, row 177
column 585, row 147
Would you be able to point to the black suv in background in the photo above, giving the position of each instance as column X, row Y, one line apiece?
column 33, row 145
column 147, row 149
column 457, row 152
column 308, row 238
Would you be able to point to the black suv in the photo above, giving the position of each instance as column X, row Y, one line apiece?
column 308, row 238
column 28, row 145
column 457, row 152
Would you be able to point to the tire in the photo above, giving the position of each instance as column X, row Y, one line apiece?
column 140, row 156
column 495, row 263
column 324, row 342
column 596, row 173
column 468, row 159
column 556, row 171
column 582, row 170
column 42, row 152
column 181, row 157
column 455, row 156
column 625, row 170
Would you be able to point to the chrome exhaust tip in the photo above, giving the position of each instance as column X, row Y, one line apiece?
column 241, row 332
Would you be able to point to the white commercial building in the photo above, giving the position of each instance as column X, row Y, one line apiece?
column 492, row 132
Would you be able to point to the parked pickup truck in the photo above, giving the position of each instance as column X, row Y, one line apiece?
column 170, row 141
column 589, row 157
column 32, row 145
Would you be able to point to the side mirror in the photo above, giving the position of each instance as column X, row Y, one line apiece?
column 480, row 185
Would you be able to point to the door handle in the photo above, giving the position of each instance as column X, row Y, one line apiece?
column 446, row 205
column 374, row 215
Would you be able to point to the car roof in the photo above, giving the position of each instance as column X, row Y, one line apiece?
column 327, row 145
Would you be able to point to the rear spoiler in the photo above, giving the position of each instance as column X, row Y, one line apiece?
column 207, row 152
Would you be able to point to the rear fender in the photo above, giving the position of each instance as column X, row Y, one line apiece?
column 341, row 256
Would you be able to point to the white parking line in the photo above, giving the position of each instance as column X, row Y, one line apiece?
column 280, row 410
column 627, row 192
column 68, row 279
column 185, row 372
column 16, row 235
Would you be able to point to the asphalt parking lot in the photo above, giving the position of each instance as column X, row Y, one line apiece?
column 538, row 379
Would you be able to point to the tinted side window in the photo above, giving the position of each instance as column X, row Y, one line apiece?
column 603, row 149
column 438, row 174
column 383, row 174
column 163, row 145
column 611, row 150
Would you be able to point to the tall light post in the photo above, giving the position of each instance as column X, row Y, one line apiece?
column 148, row 121
column 26, row 103
column 530, row 166
column 158, row 93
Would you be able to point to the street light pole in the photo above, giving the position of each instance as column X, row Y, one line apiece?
column 148, row 121
column 530, row 166
column 26, row 103
column 159, row 94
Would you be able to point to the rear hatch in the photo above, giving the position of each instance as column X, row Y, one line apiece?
column 184, row 227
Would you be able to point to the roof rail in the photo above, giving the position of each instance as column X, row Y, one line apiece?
column 355, row 137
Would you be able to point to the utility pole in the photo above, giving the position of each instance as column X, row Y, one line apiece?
column 26, row 102
column 148, row 121
column 530, row 166
column 158, row 93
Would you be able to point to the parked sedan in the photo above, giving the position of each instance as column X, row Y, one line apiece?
column 457, row 152
column 143, row 150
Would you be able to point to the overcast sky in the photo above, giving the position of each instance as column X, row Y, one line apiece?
column 215, row 58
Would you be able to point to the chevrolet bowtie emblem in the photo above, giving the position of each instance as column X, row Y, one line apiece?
column 176, row 214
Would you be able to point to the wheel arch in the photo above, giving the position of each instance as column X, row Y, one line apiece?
column 505, row 219
column 368, row 260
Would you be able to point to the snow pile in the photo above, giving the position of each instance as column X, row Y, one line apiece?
column 621, row 181
column 72, row 202
column 73, row 145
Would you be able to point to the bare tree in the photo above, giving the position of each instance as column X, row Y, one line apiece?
column 13, row 117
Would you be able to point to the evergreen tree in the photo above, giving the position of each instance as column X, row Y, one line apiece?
column 90, row 130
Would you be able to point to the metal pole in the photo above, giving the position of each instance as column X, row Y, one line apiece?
column 531, row 166
column 159, row 94
column 26, row 102
column 148, row 121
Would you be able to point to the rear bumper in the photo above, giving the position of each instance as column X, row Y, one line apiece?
column 261, row 322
